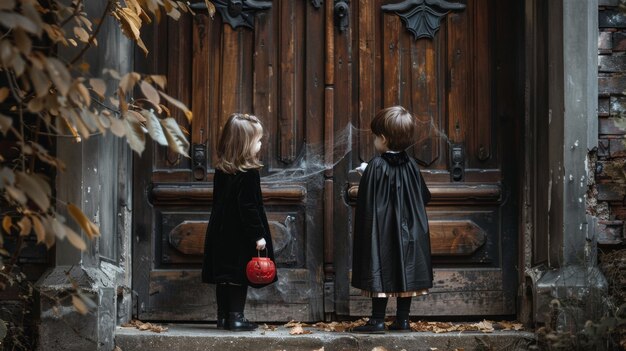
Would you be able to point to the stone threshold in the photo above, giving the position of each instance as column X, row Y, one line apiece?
column 201, row 337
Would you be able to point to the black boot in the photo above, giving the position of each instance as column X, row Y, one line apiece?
column 373, row 326
column 237, row 322
column 400, row 324
column 222, row 320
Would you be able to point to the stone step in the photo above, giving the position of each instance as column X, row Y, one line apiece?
column 202, row 337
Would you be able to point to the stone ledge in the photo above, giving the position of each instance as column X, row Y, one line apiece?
column 196, row 337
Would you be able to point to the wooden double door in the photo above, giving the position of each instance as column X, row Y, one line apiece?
column 315, row 73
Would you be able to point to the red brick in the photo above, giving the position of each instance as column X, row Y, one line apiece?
column 603, row 107
column 619, row 41
column 617, row 148
column 604, row 147
column 610, row 232
column 617, row 106
column 612, row 126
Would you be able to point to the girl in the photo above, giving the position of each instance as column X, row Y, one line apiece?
column 391, row 245
column 238, row 226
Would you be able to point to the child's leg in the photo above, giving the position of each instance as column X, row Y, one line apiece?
column 402, row 315
column 237, row 298
column 236, row 304
column 404, row 308
column 221, row 298
column 379, row 305
column 376, row 324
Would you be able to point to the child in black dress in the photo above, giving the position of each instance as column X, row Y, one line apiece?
column 391, row 244
column 238, row 226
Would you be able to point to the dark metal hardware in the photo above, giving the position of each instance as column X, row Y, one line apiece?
column 422, row 17
column 457, row 162
column 237, row 13
column 342, row 14
column 198, row 155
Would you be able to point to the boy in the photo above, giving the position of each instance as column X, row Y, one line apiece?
column 391, row 244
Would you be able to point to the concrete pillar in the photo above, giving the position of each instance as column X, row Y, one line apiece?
column 97, row 180
column 572, row 132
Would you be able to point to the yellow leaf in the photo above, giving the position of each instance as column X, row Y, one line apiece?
column 16, row 194
column 79, row 305
column 154, row 127
column 25, row 226
column 82, row 220
column 72, row 41
column 118, row 127
column 4, row 93
column 99, row 86
column 23, row 42
column 123, row 104
column 159, row 80
column 135, row 136
column 5, row 123
column 81, row 34
column 210, row 7
column 150, row 93
column 178, row 105
column 40, row 232
column 84, row 67
column 128, row 81
column 6, row 224
column 175, row 137
column 75, row 239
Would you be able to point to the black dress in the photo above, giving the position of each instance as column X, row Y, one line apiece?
column 391, row 243
column 237, row 221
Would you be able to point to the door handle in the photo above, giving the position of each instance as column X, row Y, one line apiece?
column 342, row 14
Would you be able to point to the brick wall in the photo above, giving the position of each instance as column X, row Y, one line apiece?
column 611, row 155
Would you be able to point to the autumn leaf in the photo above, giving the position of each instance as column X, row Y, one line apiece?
column 25, row 225
column 6, row 224
column 298, row 330
column 7, row 5
column 40, row 231
column 135, row 136
column 34, row 190
column 210, row 7
column 178, row 105
column 5, row 124
column 81, row 34
column 12, row 20
column 75, row 239
column 82, row 220
column 154, row 127
column 59, row 74
column 128, row 81
column 79, row 305
column 22, row 41
column 4, row 93
column 99, row 86
column 175, row 138
column 150, row 93
column 161, row 81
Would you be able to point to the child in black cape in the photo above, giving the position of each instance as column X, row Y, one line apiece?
column 238, row 226
column 391, row 243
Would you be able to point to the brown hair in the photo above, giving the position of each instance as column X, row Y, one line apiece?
column 397, row 125
column 234, row 150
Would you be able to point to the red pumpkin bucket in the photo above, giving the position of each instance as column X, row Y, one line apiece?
column 261, row 270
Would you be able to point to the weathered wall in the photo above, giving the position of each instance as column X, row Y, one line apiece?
column 610, row 187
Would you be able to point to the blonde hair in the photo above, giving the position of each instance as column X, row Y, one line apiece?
column 397, row 125
column 234, row 150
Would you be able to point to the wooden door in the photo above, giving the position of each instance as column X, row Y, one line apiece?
column 307, row 80
column 463, row 86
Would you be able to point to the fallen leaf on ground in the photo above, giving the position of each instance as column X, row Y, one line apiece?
column 484, row 326
column 298, row 330
column 144, row 326
column 322, row 349
column 379, row 348
column 269, row 327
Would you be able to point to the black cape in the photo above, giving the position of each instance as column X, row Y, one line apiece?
column 237, row 221
column 391, row 242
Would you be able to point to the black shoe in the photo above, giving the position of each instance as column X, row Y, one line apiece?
column 400, row 324
column 237, row 322
column 373, row 326
column 222, row 321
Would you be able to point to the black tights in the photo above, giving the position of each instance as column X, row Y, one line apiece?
column 379, row 304
column 230, row 298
